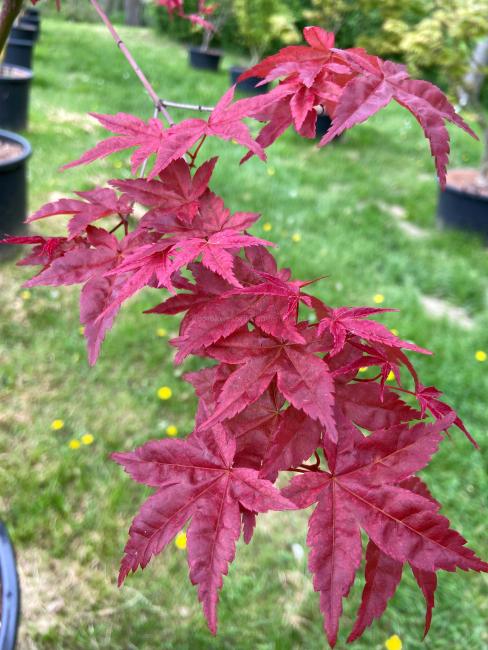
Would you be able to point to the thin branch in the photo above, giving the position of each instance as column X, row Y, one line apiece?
column 132, row 62
column 186, row 107
column 10, row 10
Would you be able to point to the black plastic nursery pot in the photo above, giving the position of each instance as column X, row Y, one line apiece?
column 14, row 153
column 248, row 86
column 24, row 33
column 19, row 52
column 32, row 11
column 204, row 59
column 10, row 593
column 35, row 24
column 462, row 209
column 322, row 126
column 14, row 97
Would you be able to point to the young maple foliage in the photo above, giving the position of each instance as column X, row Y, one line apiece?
column 285, row 385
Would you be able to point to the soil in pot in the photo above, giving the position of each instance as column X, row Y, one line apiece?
column 248, row 86
column 14, row 97
column 204, row 59
column 24, row 32
column 19, row 52
column 14, row 152
column 464, row 202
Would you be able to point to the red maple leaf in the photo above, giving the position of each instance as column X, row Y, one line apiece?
column 45, row 250
column 428, row 398
column 195, row 479
column 132, row 132
column 362, row 491
column 95, row 204
column 173, row 143
column 351, row 320
column 302, row 377
column 367, row 93
column 176, row 192
column 383, row 575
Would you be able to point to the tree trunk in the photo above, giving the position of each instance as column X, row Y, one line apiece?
column 113, row 5
column 133, row 12
column 9, row 12
column 477, row 73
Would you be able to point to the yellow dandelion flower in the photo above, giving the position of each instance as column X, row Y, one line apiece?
column 391, row 376
column 271, row 171
column 118, row 164
column 394, row 643
column 480, row 355
column 81, row 329
column 56, row 425
column 172, row 430
column 363, row 369
column 267, row 227
column 161, row 332
column 87, row 439
column 165, row 392
column 180, row 541
column 26, row 294
column 378, row 298
column 296, row 237
column 394, row 331
column 74, row 444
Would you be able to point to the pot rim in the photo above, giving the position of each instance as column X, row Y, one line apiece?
column 465, row 193
column 27, row 28
column 200, row 50
column 20, row 41
column 28, row 74
column 6, row 165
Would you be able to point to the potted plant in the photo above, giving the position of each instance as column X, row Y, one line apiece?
column 9, row 592
column 451, row 45
column 209, row 19
column 259, row 24
column 15, row 83
column 14, row 153
column 19, row 52
column 31, row 21
column 24, row 32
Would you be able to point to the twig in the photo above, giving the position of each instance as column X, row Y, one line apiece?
column 186, row 107
column 132, row 62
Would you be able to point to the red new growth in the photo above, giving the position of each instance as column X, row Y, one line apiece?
column 285, row 392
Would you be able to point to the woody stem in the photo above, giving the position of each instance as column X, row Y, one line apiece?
column 10, row 10
column 132, row 62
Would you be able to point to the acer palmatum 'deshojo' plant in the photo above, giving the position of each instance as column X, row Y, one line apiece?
column 210, row 18
column 284, row 393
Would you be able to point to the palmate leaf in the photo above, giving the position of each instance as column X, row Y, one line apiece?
column 365, row 491
column 351, row 86
column 302, row 377
column 170, row 144
column 195, row 479
column 94, row 204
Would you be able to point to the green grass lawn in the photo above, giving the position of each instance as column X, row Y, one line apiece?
column 69, row 510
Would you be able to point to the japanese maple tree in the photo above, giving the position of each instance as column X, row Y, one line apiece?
column 282, row 395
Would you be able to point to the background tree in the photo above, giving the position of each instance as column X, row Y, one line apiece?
column 261, row 22
column 133, row 12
